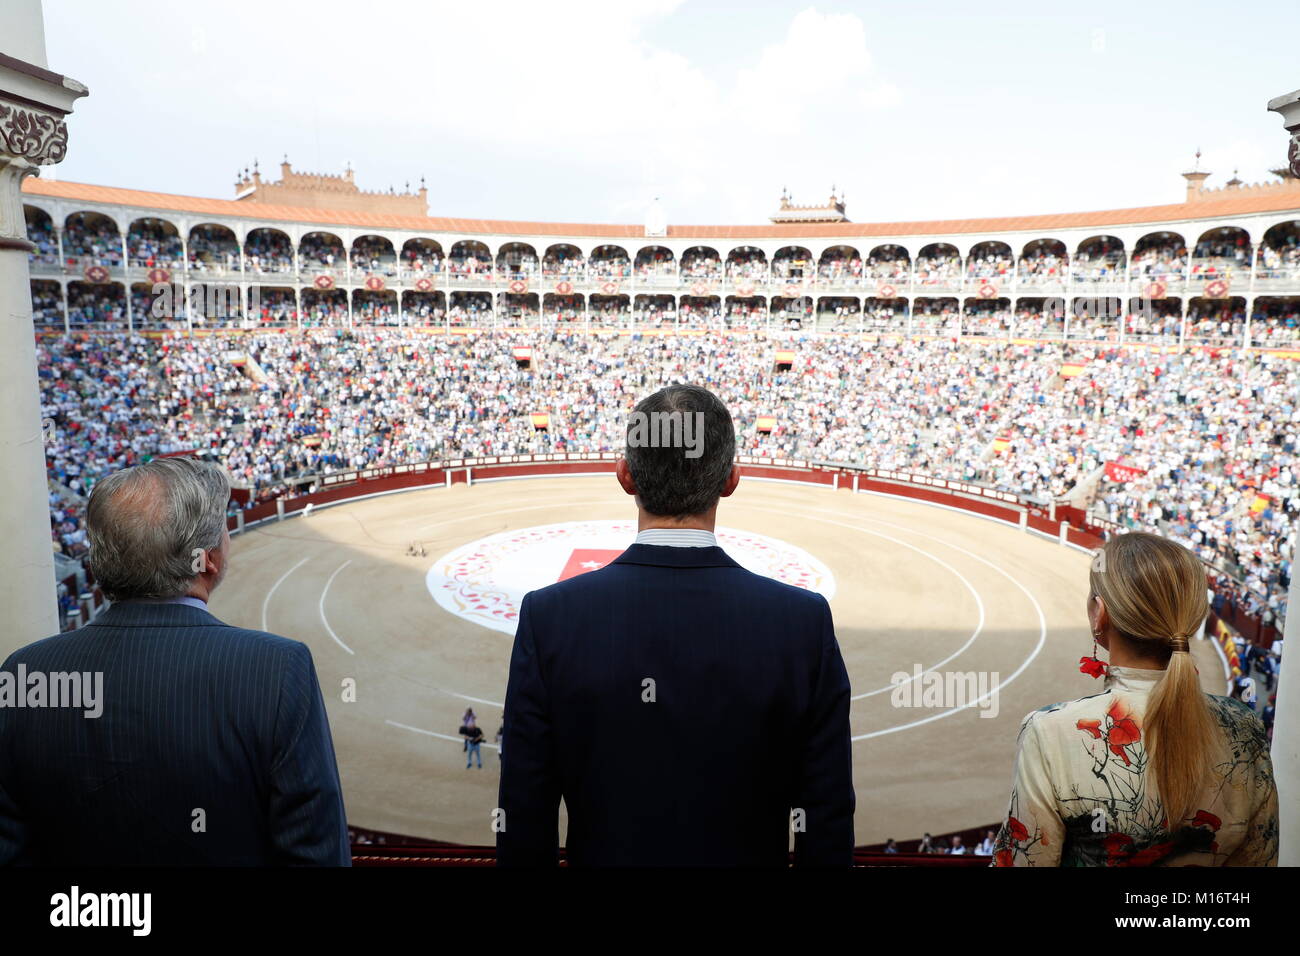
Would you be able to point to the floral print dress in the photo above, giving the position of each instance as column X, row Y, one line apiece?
column 1082, row 796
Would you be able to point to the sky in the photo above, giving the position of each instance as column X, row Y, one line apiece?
column 589, row 110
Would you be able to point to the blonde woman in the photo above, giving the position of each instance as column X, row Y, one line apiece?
column 1152, row 770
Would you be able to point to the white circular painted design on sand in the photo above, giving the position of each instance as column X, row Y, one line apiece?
column 485, row 581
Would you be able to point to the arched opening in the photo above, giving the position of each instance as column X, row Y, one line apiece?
column 91, row 238
column 1095, row 318
column 564, row 310
column 1099, row 259
column 40, row 233
column 990, row 318
column 792, row 262
column 322, row 253
column 215, row 304
column 154, row 244
column 47, row 304
column 837, row 313
column 427, row 309
column 610, row 262
column 889, row 263
column 98, row 305
column 470, row 309
column 564, row 261
column 745, row 312
column 701, row 262
column 936, row 315
column 373, row 255
column 213, row 249
column 1043, row 262
column 610, row 311
column 1221, row 253
column 375, row 307
column 272, row 306
column 792, row 312
column 700, row 311
column 1216, row 321
column 1275, row 322
column 990, row 260
column 517, row 310
column 654, row 311
column 1040, row 317
column 421, row 258
column 467, row 259
column 151, row 304
column 939, row 263
column 517, row 260
column 656, row 265
column 268, row 251
column 1159, row 256
column 1279, row 253
column 748, row 263
column 324, row 308
column 840, row 265
column 1153, row 321
column 884, row 316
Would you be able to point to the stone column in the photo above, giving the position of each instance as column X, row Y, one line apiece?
column 33, row 104
column 1286, row 724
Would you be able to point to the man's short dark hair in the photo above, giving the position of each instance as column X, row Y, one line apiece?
column 673, row 480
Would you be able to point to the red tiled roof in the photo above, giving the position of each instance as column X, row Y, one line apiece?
column 1214, row 208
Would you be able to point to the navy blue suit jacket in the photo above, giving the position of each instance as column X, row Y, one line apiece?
column 197, row 716
column 684, row 709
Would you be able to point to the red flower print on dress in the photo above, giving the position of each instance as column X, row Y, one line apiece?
column 1091, row 726
column 1122, row 731
column 1004, row 858
column 1118, row 847
column 1017, row 829
column 1204, row 818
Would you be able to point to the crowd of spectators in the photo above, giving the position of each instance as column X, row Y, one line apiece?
column 1215, row 434
column 40, row 233
column 152, row 243
column 92, row 239
column 1162, row 259
column 942, row 265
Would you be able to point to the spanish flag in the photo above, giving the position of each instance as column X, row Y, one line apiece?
column 784, row 357
column 1260, row 503
column 541, row 420
column 765, row 423
column 1071, row 369
column 1001, row 444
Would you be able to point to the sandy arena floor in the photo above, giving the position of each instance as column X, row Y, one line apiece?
column 915, row 584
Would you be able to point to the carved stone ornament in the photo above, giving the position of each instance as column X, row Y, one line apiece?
column 1293, row 154
column 34, row 135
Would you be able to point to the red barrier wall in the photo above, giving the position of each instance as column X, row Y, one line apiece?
column 1002, row 506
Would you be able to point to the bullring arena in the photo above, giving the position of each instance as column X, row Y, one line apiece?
column 915, row 574
column 999, row 393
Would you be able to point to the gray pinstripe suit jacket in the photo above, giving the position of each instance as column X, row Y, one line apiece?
column 212, row 748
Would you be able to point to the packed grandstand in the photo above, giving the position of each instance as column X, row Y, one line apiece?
column 1139, row 364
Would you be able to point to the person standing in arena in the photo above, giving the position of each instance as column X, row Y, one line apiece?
column 194, row 742
column 1152, row 770
column 614, row 672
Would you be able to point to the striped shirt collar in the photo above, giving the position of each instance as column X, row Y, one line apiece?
column 677, row 537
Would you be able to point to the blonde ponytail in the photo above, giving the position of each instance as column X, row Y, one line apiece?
column 1180, row 735
column 1155, row 593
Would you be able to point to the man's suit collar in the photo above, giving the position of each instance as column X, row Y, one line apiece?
column 669, row 557
column 147, row 614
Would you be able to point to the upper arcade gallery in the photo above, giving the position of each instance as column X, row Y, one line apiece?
column 1234, row 243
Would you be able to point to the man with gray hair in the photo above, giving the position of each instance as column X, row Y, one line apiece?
column 211, row 744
